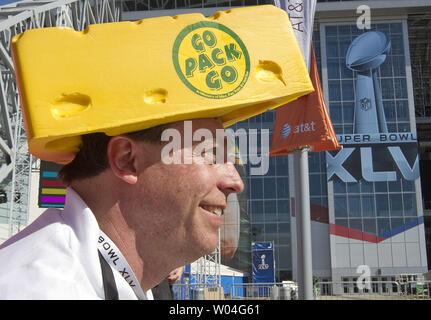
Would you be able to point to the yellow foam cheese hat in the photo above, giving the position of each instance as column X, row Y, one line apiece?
column 128, row 76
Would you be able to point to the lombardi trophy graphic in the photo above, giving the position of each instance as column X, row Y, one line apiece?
column 366, row 53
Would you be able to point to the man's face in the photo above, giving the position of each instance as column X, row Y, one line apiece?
column 179, row 204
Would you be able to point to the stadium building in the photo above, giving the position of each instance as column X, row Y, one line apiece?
column 370, row 201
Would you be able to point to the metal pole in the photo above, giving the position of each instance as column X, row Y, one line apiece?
column 303, row 228
column 298, row 210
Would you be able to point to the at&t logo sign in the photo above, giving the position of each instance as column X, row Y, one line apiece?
column 285, row 131
column 300, row 128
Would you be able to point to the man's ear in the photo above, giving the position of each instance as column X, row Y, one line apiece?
column 122, row 158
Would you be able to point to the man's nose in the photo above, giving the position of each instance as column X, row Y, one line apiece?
column 231, row 181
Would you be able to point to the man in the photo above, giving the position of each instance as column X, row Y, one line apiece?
column 137, row 205
column 160, row 216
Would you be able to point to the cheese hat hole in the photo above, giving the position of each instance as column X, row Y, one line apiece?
column 155, row 96
column 69, row 105
column 269, row 71
column 86, row 30
column 216, row 15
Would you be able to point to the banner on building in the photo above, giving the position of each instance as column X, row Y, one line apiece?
column 372, row 152
column 263, row 262
column 304, row 122
column 301, row 15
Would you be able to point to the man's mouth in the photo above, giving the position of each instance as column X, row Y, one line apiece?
column 215, row 210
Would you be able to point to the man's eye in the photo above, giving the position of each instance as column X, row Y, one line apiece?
column 215, row 156
column 205, row 156
column 212, row 156
column 208, row 158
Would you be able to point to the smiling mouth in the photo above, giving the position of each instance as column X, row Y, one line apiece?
column 215, row 210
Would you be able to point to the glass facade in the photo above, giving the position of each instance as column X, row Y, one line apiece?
column 145, row 5
column 269, row 200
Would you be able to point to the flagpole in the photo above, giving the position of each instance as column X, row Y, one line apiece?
column 302, row 19
column 303, row 226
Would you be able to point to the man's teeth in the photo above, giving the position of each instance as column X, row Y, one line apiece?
column 217, row 211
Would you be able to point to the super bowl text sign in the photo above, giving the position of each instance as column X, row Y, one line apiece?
column 211, row 60
column 374, row 157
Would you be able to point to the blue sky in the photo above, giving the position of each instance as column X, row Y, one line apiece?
column 3, row 2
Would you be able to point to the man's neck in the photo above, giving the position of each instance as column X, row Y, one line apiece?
column 111, row 220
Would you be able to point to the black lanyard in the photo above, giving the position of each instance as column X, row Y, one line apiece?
column 109, row 286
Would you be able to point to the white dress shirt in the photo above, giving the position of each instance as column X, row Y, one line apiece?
column 56, row 257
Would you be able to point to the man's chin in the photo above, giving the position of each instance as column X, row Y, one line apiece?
column 207, row 249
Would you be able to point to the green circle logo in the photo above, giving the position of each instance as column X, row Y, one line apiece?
column 211, row 60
